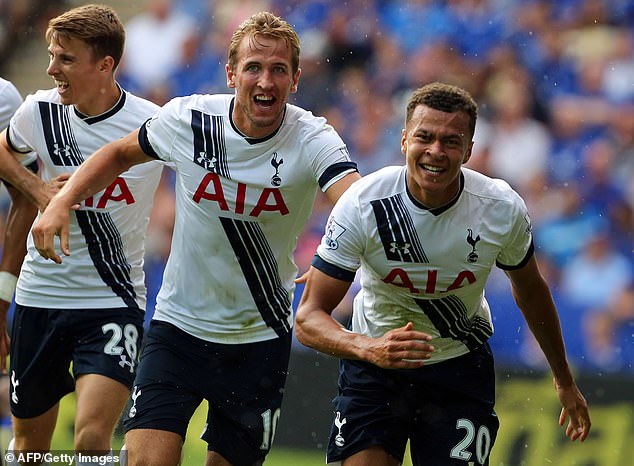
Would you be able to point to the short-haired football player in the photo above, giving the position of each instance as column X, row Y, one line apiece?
column 416, row 364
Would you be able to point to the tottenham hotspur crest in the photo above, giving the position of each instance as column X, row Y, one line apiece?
column 339, row 423
column 135, row 394
column 275, row 179
column 473, row 255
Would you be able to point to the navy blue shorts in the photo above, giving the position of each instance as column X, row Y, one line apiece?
column 44, row 343
column 243, row 384
column 445, row 409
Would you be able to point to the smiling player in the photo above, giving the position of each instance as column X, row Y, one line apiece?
column 417, row 364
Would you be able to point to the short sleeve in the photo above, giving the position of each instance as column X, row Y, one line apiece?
column 325, row 150
column 341, row 248
column 157, row 135
column 10, row 100
column 519, row 246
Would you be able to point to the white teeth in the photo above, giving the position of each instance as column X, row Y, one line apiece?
column 432, row 169
column 264, row 97
column 61, row 84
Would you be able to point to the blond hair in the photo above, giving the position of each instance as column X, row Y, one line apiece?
column 265, row 24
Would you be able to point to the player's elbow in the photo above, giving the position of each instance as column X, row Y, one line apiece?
column 301, row 327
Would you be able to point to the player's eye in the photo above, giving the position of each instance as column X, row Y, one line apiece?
column 452, row 143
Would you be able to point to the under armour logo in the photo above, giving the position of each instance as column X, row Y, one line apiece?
column 14, row 384
column 473, row 255
column 275, row 179
column 124, row 362
column 134, row 396
column 206, row 162
column 61, row 150
column 403, row 247
column 339, row 423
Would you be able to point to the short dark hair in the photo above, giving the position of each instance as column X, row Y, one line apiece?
column 446, row 98
column 98, row 26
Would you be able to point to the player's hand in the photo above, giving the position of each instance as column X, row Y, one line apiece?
column 575, row 408
column 302, row 279
column 53, row 222
column 401, row 348
column 52, row 187
column 5, row 342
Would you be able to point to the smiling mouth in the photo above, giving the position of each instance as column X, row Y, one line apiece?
column 61, row 85
column 431, row 169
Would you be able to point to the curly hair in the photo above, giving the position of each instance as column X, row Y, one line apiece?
column 446, row 98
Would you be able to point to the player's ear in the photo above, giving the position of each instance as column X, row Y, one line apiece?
column 230, row 77
column 468, row 153
column 295, row 81
column 106, row 64
column 404, row 141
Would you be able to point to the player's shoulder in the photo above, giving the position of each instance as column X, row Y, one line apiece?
column 8, row 90
column 135, row 103
column 314, row 131
column 210, row 104
column 44, row 95
column 381, row 184
column 304, row 119
column 478, row 184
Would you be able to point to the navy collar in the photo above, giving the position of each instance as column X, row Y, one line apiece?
column 251, row 140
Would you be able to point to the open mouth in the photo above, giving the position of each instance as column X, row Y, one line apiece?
column 61, row 85
column 264, row 100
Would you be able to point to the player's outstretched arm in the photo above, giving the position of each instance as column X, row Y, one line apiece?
column 533, row 297
column 401, row 348
column 91, row 177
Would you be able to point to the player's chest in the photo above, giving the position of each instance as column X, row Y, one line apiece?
column 269, row 184
column 430, row 256
column 65, row 144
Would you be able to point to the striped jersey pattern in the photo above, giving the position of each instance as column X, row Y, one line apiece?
column 241, row 204
column 397, row 232
column 105, row 267
column 210, row 151
column 425, row 266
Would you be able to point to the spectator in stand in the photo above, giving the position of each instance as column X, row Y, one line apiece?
column 201, row 70
column 564, row 235
column 609, row 330
column 604, row 196
column 596, row 274
column 522, row 143
column 154, row 48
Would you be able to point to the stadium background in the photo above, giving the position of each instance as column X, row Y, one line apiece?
column 555, row 84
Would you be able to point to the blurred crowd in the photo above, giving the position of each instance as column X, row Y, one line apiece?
column 18, row 17
column 555, row 85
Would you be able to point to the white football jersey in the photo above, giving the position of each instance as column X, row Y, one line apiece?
column 427, row 266
column 10, row 100
column 105, row 268
column 241, row 204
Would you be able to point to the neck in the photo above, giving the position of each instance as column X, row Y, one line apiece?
column 106, row 96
